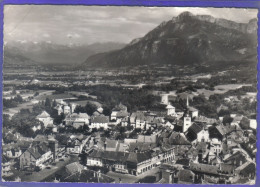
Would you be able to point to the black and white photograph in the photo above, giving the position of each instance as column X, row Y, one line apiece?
column 129, row 94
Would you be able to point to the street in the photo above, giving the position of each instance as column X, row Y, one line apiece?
column 41, row 175
column 127, row 178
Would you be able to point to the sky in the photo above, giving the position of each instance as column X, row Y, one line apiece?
column 82, row 25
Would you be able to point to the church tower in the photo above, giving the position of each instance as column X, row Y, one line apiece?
column 186, row 123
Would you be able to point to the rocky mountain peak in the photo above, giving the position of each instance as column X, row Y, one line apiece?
column 185, row 16
column 185, row 40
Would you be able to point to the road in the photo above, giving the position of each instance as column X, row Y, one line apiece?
column 127, row 178
column 43, row 174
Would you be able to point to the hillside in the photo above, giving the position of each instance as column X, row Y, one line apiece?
column 185, row 40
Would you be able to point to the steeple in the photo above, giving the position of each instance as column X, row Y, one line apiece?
column 187, row 103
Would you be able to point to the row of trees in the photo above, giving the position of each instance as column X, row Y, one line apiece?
column 11, row 103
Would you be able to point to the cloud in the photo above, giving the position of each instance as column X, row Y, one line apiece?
column 73, row 35
column 90, row 24
column 46, row 35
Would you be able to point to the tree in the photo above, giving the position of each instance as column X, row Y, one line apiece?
column 54, row 104
column 244, row 123
column 36, row 94
column 107, row 133
column 227, row 119
column 18, row 99
column 47, row 102
column 223, row 112
column 106, row 110
column 14, row 92
column 90, row 108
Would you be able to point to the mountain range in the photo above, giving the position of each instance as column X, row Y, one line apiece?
column 185, row 40
column 42, row 53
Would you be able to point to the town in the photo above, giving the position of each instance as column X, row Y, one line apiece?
column 62, row 130
column 129, row 94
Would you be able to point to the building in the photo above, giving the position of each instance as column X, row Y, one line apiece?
column 197, row 133
column 133, row 163
column 45, row 118
column 186, row 123
column 75, row 144
column 171, row 110
column 119, row 108
column 13, row 153
column 237, row 159
column 164, row 99
column 6, row 167
column 99, row 122
column 35, row 155
column 81, row 118
column 246, row 170
column 253, row 124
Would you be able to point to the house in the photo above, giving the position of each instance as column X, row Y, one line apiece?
column 138, row 163
column 140, row 121
column 137, row 120
column 164, row 99
column 73, row 168
column 206, row 120
column 45, row 118
column 99, row 122
column 193, row 112
column 246, row 170
column 75, row 144
column 121, row 115
column 177, row 138
column 134, row 163
column 237, row 159
column 197, row 133
column 94, row 158
column 125, row 121
column 185, row 176
column 217, row 132
column 13, row 153
column 236, row 120
column 170, row 125
column 119, row 108
column 171, row 110
column 59, row 109
column 253, row 124
column 115, row 161
column 216, row 146
column 167, row 174
column 38, row 127
column 202, row 170
column 111, row 145
column 81, row 118
column 6, row 167
column 147, row 139
column 141, row 147
column 35, row 155
column 66, row 109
